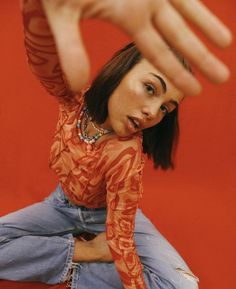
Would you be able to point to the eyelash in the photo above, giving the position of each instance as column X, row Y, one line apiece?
column 165, row 109
column 149, row 86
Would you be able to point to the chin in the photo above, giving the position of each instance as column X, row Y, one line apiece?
column 120, row 131
column 122, row 134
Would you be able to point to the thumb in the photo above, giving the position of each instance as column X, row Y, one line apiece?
column 73, row 57
column 74, row 61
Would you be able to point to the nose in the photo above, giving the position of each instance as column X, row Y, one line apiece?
column 151, row 111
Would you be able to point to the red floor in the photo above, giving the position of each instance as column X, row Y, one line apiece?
column 24, row 285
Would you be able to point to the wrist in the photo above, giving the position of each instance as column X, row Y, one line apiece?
column 84, row 252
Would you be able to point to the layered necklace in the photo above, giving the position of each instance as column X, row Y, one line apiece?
column 82, row 125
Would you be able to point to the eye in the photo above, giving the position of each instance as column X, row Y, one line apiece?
column 164, row 109
column 150, row 88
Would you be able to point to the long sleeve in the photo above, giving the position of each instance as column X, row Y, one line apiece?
column 124, row 189
column 42, row 54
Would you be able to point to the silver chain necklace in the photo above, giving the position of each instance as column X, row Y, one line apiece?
column 82, row 127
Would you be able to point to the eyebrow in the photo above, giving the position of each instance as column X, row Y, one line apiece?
column 163, row 83
column 164, row 88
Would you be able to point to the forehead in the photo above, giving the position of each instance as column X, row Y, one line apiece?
column 145, row 69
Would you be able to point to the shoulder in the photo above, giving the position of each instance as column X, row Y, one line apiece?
column 123, row 154
column 127, row 147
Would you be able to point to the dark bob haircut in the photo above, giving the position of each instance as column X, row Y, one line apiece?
column 159, row 141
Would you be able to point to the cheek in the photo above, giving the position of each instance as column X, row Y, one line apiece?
column 118, row 102
column 115, row 108
column 131, row 91
column 115, row 102
column 126, row 99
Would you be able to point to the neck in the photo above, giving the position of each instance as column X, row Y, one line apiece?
column 106, row 125
column 99, row 128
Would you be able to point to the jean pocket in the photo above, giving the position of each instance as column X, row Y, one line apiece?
column 58, row 198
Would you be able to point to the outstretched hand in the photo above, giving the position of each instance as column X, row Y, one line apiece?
column 151, row 24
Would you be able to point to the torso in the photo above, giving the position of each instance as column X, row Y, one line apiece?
column 82, row 168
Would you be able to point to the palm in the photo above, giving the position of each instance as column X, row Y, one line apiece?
column 152, row 24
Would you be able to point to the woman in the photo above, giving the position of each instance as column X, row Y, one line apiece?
column 98, row 156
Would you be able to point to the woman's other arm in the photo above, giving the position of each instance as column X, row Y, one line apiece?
column 124, row 189
column 42, row 53
column 120, row 223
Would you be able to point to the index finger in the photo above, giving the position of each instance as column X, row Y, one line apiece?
column 205, row 20
column 179, row 35
column 158, row 53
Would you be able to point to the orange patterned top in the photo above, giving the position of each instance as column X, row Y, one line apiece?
column 110, row 174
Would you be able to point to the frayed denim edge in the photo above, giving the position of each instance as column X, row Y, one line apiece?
column 69, row 259
column 74, row 282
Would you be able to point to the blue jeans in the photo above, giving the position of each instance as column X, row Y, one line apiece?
column 37, row 243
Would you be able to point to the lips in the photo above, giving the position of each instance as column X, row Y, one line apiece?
column 134, row 124
column 134, row 121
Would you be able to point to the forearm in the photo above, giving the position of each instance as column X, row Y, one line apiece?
column 128, row 264
column 41, row 51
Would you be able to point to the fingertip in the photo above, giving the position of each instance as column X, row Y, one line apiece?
column 224, row 75
column 194, row 90
column 227, row 38
column 187, row 83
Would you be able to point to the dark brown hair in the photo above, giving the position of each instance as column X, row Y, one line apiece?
column 159, row 142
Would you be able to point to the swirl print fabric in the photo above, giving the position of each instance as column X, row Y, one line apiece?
column 110, row 174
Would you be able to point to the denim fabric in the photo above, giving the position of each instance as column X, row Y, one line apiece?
column 36, row 244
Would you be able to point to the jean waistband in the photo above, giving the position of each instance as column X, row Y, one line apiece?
column 63, row 194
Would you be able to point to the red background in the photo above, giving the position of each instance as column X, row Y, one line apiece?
column 193, row 206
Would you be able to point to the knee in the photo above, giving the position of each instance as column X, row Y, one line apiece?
column 186, row 279
column 183, row 279
column 177, row 279
column 2, row 235
column 5, row 233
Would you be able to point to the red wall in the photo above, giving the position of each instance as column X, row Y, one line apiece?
column 192, row 205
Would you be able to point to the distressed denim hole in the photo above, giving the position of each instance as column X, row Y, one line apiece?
column 188, row 275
